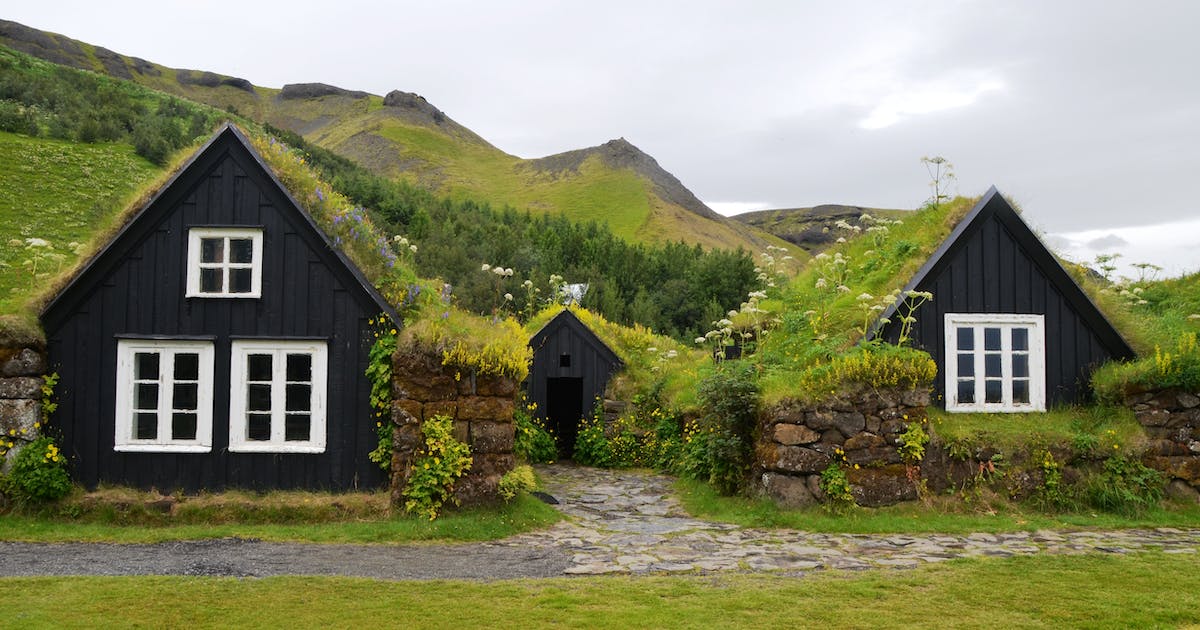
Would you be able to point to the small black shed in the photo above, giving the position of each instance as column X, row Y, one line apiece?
column 1009, row 328
column 218, row 340
column 571, row 368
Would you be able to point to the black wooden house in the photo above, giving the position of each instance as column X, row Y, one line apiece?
column 218, row 340
column 1009, row 328
column 570, row 371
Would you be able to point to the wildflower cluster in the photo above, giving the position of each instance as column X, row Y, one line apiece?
column 839, row 497
column 532, row 441
column 39, row 473
column 775, row 267
column 41, row 259
column 439, row 464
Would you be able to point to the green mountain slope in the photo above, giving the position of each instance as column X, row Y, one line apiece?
column 402, row 135
column 56, row 196
column 811, row 229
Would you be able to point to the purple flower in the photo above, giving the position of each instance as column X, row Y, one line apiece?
column 320, row 195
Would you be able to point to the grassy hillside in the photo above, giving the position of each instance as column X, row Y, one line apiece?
column 403, row 136
column 62, row 193
column 811, row 229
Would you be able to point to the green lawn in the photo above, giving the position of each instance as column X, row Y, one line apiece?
column 945, row 515
column 279, row 523
column 1147, row 590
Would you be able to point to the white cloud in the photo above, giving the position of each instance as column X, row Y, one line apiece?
column 1174, row 246
column 924, row 99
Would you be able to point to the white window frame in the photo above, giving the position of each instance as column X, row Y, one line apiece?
column 238, row 395
column 125, row 439
column 1035, row 324
column 196, row 234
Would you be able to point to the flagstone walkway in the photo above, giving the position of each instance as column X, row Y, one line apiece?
column 619, row 522
column 627, row 522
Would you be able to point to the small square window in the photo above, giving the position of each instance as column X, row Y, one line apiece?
column 564, row 360
column 224, row 262
column 994, row 362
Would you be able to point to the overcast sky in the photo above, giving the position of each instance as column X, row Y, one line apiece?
column 1087, row 114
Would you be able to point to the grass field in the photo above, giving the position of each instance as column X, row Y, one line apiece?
column 1147, row 590
column 945, row 515
column 292, row 517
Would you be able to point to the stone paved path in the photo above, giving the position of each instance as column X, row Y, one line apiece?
column 620, row 522
column 626, row 522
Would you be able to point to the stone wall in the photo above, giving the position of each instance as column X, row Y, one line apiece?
column 21, row 372
column 799, row 441
column 1171, row 419
column 482, row 408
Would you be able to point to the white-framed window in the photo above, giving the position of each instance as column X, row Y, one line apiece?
column 224, row 262
column 995, row 362
column 164, row 396
column 277, row 396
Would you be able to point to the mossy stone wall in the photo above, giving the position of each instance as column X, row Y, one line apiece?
column 22, row 369
column 798, row 441
column 482, row 409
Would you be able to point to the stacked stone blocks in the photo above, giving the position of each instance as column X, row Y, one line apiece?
column 798, row 441
column 481, row 407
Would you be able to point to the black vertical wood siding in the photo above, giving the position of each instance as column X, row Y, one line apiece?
column 591, row 360
column 995, row 264
column 136, row 287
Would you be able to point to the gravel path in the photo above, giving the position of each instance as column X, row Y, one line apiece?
column 620, row 522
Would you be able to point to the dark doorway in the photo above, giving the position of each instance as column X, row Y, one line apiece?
column 564, row 408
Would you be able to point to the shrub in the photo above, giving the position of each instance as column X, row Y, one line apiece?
column 1125, row 486
column 718, row 448
column 913, row 442
column 379, row 373
column 439, row 464
column 516, row 481
column 533, row 443
column 1171, row 367
column 39, row 473
column 592, row 447
column 835, row 485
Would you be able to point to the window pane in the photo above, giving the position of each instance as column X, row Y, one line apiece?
column 145, row 426
column 991, row 339
column 212, row 250
column 145, row 366
column 1020, row 365
column 299, row 367
column 299, row 398
column 1021, row 391
column 258, row 397
column 258, row 367
column 966, row 365
column 145, row 396
column 258, row 427
column 210, row 281
column 966, row 392
column 186, row 396
column 187, row 367
column 296, row 427
column 183, row 426
column 239, row 281
column 991, row 365
column 992, row 391
column 966, row 338
column 1020, row 339
column 241, row 250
